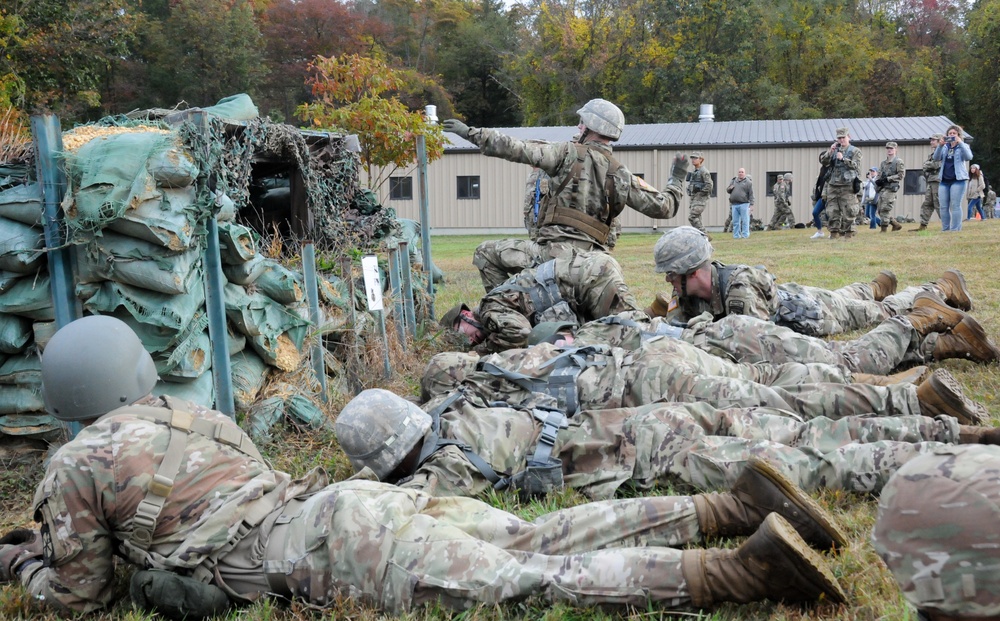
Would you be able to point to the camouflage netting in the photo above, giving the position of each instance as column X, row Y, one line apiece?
column 141, row 190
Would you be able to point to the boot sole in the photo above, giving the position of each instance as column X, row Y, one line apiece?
column 951, row 317
column 803, row 502
column 949, row 390
column 806, row 561
column 973, row 333
column 966, row 304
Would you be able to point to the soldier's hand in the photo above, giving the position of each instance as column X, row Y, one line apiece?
column 16, row 548
column 456, row 127
column 678, row 172
column 840, row 155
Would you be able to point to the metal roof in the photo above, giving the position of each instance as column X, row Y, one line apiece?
column 909, row 129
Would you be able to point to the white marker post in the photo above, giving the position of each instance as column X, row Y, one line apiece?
column 373, row 291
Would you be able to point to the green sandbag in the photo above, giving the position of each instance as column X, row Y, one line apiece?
column 264, row 415
column 22, row 203
column 20, row 399
column 234, row 108
column 237, row 243
column 21, row 247
column 21, row 370
column 169, row 221
column 187, row 361
column 200, row 391
column 172, row 168
column 280, row 283
column 249, row 376
column 158, row 309
column 34, row 424
column 131, row 261
column 29, row 297
column 15, row 333
column 246, row 273
column 304, row 410
column 41, row 332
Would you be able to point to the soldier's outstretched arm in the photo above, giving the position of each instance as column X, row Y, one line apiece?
column 550, row 157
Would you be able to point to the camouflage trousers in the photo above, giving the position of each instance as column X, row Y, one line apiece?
column 782, row 214
column 499, row 259
column 397, row 548
column 886, row 206
column 706, row 448
column 698, row 205
column 751, row 340
column 853, row 307
column 931, row 204
column 671, row 373
column 841, row 208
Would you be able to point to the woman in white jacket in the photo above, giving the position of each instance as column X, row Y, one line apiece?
column 955, row 154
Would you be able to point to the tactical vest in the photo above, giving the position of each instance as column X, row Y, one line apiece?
column 892, row 186
column 840, row 173
column 645, row 333
column 547, row 302
column 574, row 216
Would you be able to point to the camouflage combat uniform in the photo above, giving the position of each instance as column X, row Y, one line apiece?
column 663, row 369
column 891, row 172
column 782, row 207
column 750, row 340
column 590, row 285
column 386, row 546
column 841, row 202
column 931, row 204
column 692, row 444
column 699, row 188
column 752, row 291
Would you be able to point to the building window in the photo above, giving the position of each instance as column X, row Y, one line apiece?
column 468, row 186
column 715, row 182
column 914, row 182
column 772, row 178
column 401, row 188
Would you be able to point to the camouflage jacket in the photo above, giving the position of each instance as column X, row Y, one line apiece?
column 843, row 171
column 588, row 193
column 780, row 191
column 892, row 173
column 93, row 484
column 932, row 169
column 591, row 284
column 700, row 185
column 736, row 290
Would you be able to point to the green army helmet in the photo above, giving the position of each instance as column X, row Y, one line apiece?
column 378, row 429
column 547, row 331
column 681, row 251
column 603, row 117
column 937, row 531
column 94, row 365
column 449, row 318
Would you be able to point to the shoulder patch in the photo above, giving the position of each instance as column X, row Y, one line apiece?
column 736, row 307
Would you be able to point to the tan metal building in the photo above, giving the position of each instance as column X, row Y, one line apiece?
column 471, row 193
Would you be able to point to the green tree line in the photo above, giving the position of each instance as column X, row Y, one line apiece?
column 531, row 62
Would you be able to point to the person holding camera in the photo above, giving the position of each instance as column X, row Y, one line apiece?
column 870, row 199
column 954, row 155
column 843, row 185
column 890, row 175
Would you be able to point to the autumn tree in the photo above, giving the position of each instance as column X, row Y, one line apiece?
column 354, row 94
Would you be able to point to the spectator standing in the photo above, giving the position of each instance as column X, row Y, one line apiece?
column 932, row 175
column 974, row 192
column 954, row 155
column 741, row 202
column 990, row 202
column 819, row 203
column 844, row 184
column 700, row 186
column 870, row 199
column 890, row 175
column 782, row 203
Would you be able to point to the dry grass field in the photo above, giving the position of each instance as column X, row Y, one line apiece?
column 791, row 256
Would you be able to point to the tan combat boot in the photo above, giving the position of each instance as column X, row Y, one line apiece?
column 968, row 341
column 884, row 227
column 931, row 314
column 774, row 563
column 970, row 434
column 884, row 285
column 952, row 285
column 834, row 234
column 761, row 489
column 910, row 376
column 940, row 394
column 922, row 227
column 896, row 226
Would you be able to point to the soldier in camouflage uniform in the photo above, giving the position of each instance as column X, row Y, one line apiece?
column 782, row 205
column 663, row 369
column 588, row 186
column 932, row 175
column 700, row 186
column 937, row 532
column 186, row 493
column 702, row 285
column 839, row 193
column 598, row 452
column 577, row 286
column 890, row 176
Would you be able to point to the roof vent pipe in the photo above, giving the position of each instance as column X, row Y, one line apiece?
column 431, row 112
column 706, row 114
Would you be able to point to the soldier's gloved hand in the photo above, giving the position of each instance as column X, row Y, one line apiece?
column 660, row 306
column 456, row 127
column 678, row 172
column 17, row 548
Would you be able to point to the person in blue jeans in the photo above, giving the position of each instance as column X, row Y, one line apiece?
column 820, row 204
column 954, row 155
column 975, row 191
column 741, row 201
column 870, row 199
